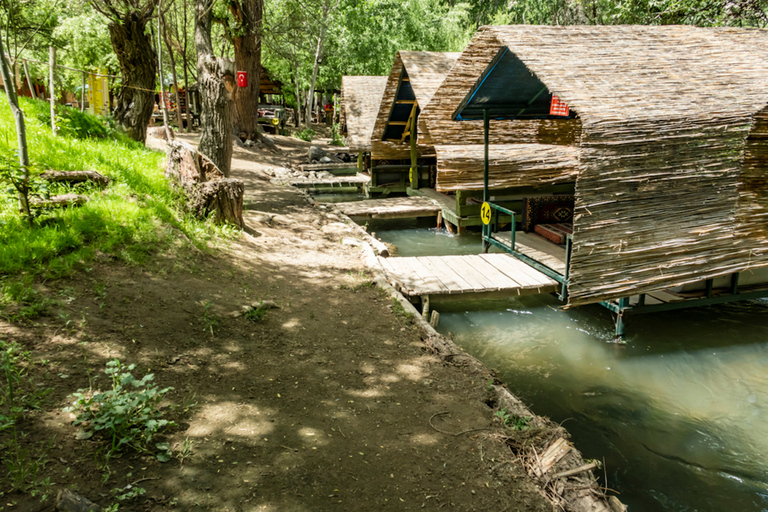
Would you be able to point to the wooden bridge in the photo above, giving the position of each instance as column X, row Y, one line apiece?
column 390, row 208
column 469, row 276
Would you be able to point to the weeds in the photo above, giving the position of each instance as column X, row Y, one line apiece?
column 209, row 319
column 19, row 394
column 128, row 415
column 256, row 314
column 513, row 422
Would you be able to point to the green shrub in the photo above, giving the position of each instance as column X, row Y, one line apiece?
column 306, row 134
column 127, row 415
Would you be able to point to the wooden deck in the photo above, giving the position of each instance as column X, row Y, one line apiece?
column 359, row 180
column 339, row 169
column 488, row 275
column 537, row 248
column 390, row 208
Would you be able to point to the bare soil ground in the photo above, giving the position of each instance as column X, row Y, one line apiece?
column 330, row 402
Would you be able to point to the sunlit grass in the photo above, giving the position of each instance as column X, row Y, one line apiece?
column 129, row 220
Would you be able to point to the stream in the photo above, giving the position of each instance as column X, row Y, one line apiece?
column 679, row 414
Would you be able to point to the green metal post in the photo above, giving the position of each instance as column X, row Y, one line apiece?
column 735, row 283
column 486, row 124
column 414, row 174
column 709, row 287
column 360, row 162
column 486, row 244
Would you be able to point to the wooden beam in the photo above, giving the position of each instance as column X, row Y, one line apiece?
column 405, row 102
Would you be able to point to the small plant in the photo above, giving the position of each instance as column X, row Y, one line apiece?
column 256, row 314
column 306, row 134
column 210, row 320
column 128, row 492
column 186, row 450
column 128, row 415
column 18, row 394
column 336, row 138
column 514, row 422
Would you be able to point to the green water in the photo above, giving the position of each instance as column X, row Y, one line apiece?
column 680, row 414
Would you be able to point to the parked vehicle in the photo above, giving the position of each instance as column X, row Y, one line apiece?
column 272, row 117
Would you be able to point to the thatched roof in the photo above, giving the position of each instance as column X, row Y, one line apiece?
column 423, row 72
column 670, row 127
column 360, row 100
column 509, row 165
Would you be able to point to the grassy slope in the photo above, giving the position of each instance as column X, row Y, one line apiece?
column 129, row 220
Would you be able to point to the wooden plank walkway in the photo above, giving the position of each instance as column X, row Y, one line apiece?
column 336, row 181
column 538, row 248
column 333, row 168
column 390, row 208
column 497, row 275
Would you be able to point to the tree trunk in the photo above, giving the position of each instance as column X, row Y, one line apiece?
column 21, row 132
column 163, row 104
column 52, row 85
column 247, row 45
column 215, row 79
column 311, row 95
column 138, row 65
column 173, row 70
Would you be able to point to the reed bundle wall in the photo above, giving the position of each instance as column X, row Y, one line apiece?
column 509, row 165
column 672, row 185
column 458, row 83
column 426, row 71
column 360, row 100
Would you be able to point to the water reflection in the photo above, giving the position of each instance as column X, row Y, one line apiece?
column 679, row 413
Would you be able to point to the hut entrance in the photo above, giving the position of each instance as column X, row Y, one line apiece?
column 511, row 91
column 404, row 113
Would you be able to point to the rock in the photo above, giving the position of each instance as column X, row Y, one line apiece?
column 316, row 153
column 354, row 242
column 325, row 160
column 68, row 501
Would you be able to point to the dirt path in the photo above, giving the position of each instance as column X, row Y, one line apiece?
column 330, row 402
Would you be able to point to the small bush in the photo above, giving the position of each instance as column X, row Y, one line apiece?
column 128, row 415
column 306, row 134
column 71, row 122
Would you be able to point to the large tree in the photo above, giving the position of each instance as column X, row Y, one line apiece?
column 138, row 61
column 215, row 80
column 245, row 35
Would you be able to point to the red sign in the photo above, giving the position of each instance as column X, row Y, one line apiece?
column 242, row 79
column 558, row 107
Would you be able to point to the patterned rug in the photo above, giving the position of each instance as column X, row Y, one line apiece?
column 547, row 210
column 556, row 233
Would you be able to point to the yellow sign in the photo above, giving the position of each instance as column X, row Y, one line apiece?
column 410, row 175
column 485, row 213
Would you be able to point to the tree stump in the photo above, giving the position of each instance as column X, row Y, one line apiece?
column 222, row 198
column 67, row 501
column 206, row 189
column 76, row 177
column 189, row 167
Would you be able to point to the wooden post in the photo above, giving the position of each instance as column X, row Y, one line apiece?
column 360, row 162
column 29, row 80
column 52, row 79
column 82, row 95
column 414, row 157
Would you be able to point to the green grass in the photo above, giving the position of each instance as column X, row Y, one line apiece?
column 130, row 220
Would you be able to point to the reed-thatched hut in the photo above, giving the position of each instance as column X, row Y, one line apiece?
column 671, row 128
column 414, row 78
column 360, row 100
